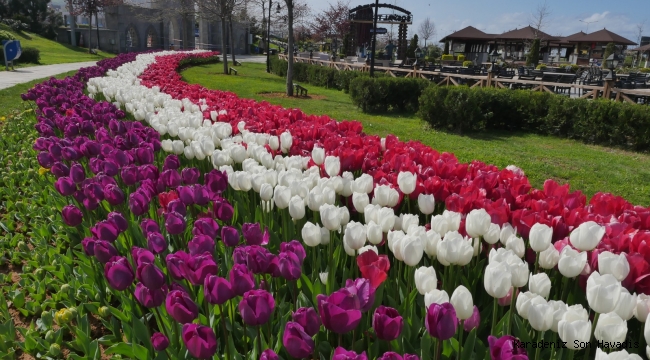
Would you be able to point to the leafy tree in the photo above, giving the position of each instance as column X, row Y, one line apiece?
column 434, row 52
column 31, row 12
column 410, row 51
column 609, row 50
column 332, row 22
column 446, row 51
column 533, row 56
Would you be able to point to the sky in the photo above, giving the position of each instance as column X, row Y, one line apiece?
column 499, row 16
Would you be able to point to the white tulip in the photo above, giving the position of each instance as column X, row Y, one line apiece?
column 426, row 279
column 286, row 141
column 386, row 219
column 497, row 279
column 549, row 257
column 626, row 304
column 274, row 143
column 454, row 250
column 492, row 235
column 347, row 180
column 540, row 237
column 167, row 145
column 524, row 301
column 540, row 284
column 324, row 236
column 642, row 308
column 360, row 201
column 407, row 182
column 477, row 223
column 453, row 220
column 559, row 308
column 297, row 208
column 519, row 270
column 323, row 277
column 426, row 204
column 516, row 244
column 408, row 220
column 574, row 332
column 281, row 196
column 587, row 236
column 540, row 315
column 363, row 184
column 370, row 213
column 412, row 250
column 332, row 166
column 571, row 262
column 616, row 265
column 463, row 303
column 603, row 292
column 374, row 233
column 178, row 147
column 331, row 216
column 440, row 224
column 266, row 192
column 311, row 234
column 431, row 243
column 368, row 248
column 238, row 153
column 615, row 355
column 435, row 297
column 610, row 328
column 355, row 235
column 348, row 250
column 506, row 232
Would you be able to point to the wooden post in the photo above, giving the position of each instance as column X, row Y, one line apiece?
column 489, row 78
column 607, row 88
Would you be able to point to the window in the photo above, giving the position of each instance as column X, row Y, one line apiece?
column 151, row 38
column 131, row 38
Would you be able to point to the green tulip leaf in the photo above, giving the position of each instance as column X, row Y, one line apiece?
column 468, row 347
column 121, row 349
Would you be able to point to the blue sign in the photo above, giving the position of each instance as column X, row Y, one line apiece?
column 12, row 49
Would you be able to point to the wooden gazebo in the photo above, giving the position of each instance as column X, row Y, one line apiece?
column 592, row 46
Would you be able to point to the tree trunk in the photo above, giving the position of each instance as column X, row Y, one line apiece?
column 73, row 26
column 90, row 28
column 223, row 45
column 232, row 40
column 184, row 31
column 97, row 26
column 290, row 48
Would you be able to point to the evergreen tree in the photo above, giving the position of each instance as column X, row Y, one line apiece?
column 609, row 50
column 410, row 51
column 533, row 56
column 446, row 51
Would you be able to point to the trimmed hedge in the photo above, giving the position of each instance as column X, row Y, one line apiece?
column 192, row 61
column 30, row 55
column 387, row 93
column 317, row 75
column 599, row 121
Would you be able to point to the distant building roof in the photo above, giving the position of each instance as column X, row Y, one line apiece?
column 527, row 33
column 469, row 32
column 604, row 36
column 643, row 48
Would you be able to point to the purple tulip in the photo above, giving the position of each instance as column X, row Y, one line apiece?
column 253, row 234
column 159, row 341
column 240, row 255
column 241, row 279
column 217, row 290
column 142, row 256
column 295, row 247
column 150, row 275
column 104, row 251
column 441, row 321
column 364, row 291
column 207, row 227
column 177, row 206
column 72, row 216
column 149, row 172
column 180, row 306
column 257, row 259
column 199, row 340
column 69, row 153
column 65, row 186
column 216, row 181
column 90, row 148
column 110, row 167
column 308, row 319
column 118, row 272
column 390, row 355
column 342, row 354
column 186, row 194
column 387, row 323
column 200, row 244
column 171, row 178
column 339, row 312
column 504, row 348
column 171, row 162
column 149, row 298
column 129, row 175
column 197, row 267
column 473, row 321
column 190, row 176
column 156, row 243
column 94, row 191
column 174, row 223
column 118, row 220
column 89, row 246
column 289, row 266
column 274, row 267
column 60, row 169
column 145, row 155
column 256, row 307
column 45, row 159
column 269, row 354
column 148, row 226
column 114, row 195
column 201, row 195
column 138, row 203
column 174, row 264
column 96, row 165
column 229, row 236
column 411, row 357
column 223, row 210
column 296, row 341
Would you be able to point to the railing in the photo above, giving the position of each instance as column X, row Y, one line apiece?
column 607, row 90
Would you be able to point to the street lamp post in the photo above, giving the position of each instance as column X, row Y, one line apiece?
column 374, row 39
column 268, row 39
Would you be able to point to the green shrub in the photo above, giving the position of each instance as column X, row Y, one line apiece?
column 30, row 55
column 532, row 57
column 541, row 67
column 461, row 57
column 189, row 62
column 468, row 63
column 644, row 70
column 599, row 121
column 447, row 57
column 6, row 35
column 387, row 93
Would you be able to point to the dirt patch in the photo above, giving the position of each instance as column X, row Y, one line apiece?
column 281, row 95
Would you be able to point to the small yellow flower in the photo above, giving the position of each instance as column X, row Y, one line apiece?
column 3, row 118
column 42, row 170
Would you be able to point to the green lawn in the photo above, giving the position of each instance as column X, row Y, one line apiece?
column 586, row 167
column 10, row 100
column 53, row 52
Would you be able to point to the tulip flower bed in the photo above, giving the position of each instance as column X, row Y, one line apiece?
column 230, row 229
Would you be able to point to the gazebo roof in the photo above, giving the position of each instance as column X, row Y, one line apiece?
column 574, row 37
column 604, row 36
column 643, row 48
column 469, row 32
column 527, row 33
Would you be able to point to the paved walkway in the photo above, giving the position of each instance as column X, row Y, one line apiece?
column 260, row 59
column 23, row 75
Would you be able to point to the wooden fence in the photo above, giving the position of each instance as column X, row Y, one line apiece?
column 607, row 90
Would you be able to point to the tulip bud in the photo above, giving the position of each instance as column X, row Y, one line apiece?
column 610, row 328
column 274, row 143
column 463, row 303
column 426, row 279
column 587, row 236
column 477, row 223
column 55, row 349
column 497, row 279
column 571, row 262
column 332, row 166
column 617, row 265
column 492, row 235
column 363, row 184
column 435, row 297
column 355, row 235
column 311, row 234
column 453, row 220
column 282, row 196
column 266, row 192
column 540, row 315
column 516, row 244
column 626, row 304
column 360, row 201
column 330, row 217
column 642, row 308
column 473, row 321
column 323, row 277
column 441, row 321
column 603, row 292
column 506, row 232
column 297, row 208
column 540, row 237
column 104, row 312
column 549, row 257
column 426, row 204
column 374, row 233
column 540, row 284
column 387, row 323
column 407, row 182
column 318, row 155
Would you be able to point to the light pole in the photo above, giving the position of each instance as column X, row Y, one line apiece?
column 374, row 39
column 268, row 39
column 588, row 22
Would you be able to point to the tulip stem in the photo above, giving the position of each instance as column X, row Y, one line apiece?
column 512, row 305
column 259, row 341
column 223, row 329
column 438, row 348
column 460, row 341
column 540, row 337
column 340, row 339
column 245, row 338
column 494, row 315
column 593, row 328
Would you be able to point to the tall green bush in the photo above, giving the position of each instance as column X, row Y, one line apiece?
column 609, row 50
column 533, row 56
column 604, row 122
column 387, row 93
